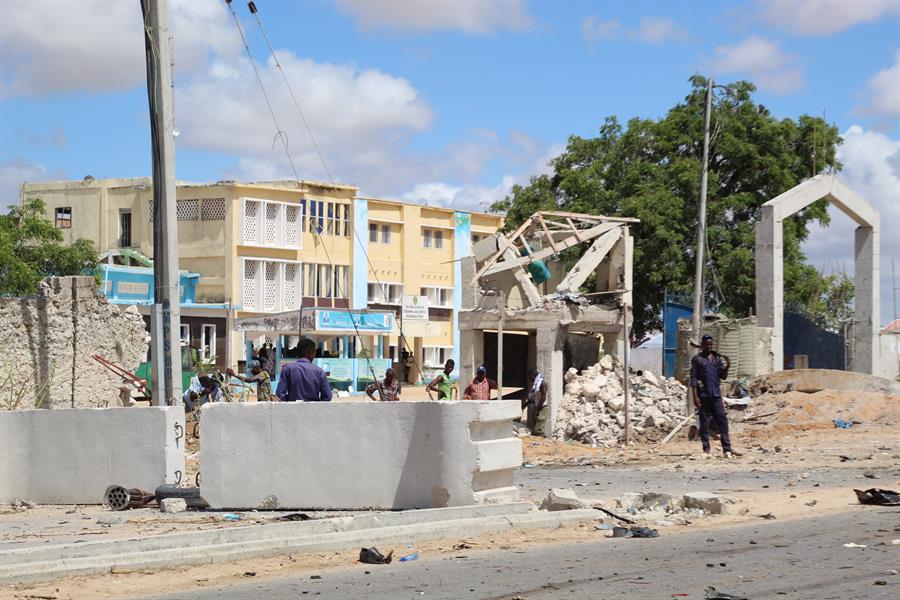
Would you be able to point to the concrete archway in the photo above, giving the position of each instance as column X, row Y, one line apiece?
column 770, row 266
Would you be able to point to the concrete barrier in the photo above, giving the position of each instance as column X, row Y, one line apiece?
column 70, row 456
column 358, row 455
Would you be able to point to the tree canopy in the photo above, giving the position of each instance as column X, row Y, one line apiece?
column 31, row 248
column 650, row 169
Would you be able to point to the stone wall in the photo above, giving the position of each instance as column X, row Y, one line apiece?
column 49, row 339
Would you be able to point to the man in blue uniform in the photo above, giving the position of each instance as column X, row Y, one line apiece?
column 708, row 369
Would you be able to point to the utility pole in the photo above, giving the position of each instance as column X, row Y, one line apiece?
column 626, row 379
column 697, row 320
column 500, row 323
column 165, row 324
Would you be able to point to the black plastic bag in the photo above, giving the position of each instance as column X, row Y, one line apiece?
column 373, row 557
column 878, row 496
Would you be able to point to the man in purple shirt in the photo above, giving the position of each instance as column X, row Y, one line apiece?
column 708, row 369
column 302, row 381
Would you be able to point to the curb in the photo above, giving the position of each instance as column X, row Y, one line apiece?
column 47, row 563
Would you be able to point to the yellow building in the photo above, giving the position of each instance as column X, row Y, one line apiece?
column 269, row 247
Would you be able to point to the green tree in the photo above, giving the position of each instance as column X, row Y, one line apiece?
column 31, row 248
column 650, row 169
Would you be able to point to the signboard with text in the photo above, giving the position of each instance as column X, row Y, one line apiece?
column 415, row 308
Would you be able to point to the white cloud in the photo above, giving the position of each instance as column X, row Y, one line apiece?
column 16, row 171
column 872, row 169
column 473, row 17
column 654, row 30
column 763, row 61
column 593, row 29
column 883, row 91
column 824, row 17
column 98, row 46
column 361, row 117
column 463, row 197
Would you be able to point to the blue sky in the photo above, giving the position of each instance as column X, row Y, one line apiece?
column 445, row 102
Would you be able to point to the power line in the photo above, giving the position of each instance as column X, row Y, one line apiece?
column 255, row 11
column 281, row 134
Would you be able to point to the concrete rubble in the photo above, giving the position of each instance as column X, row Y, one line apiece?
column 562, row 499
column 592, row 410
column 173, row 505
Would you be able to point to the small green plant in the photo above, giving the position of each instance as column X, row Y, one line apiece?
column 15, row 389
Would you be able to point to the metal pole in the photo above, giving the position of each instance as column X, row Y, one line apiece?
column 626, row 380
column 500, row 324
column 697, row 317
column 165, row 227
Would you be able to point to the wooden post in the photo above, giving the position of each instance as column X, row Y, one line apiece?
column 500, row 324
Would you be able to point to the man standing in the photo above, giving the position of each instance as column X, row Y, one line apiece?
column 442, row 384
column 262, row 380
column 302, row 381
column 534, row 401
column 480, row 387
column 388, row 389
column 708, row 369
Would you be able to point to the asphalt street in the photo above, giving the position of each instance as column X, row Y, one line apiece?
column 771, row 559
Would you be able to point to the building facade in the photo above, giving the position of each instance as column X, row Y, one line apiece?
column 270, row 247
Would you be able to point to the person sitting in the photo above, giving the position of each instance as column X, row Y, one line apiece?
column 388, row 389
column 203, row 389
column 480, row 387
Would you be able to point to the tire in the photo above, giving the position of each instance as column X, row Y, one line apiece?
column 191, row 495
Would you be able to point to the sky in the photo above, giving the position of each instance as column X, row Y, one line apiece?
column 445, row 102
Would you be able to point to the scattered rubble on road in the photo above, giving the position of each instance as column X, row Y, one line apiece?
column 172, row 505
column 561, row 499
column 592, row 410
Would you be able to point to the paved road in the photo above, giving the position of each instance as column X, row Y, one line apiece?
column 797, row 560
column 589, row 482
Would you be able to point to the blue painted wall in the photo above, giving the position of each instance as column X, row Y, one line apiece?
column 462, row 246
column 360, row 271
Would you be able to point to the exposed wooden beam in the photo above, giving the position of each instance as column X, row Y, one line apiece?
column 592, row 257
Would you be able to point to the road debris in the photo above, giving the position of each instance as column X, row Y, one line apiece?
column 373, row 557
column 562, row 499
column 878, row 496
column 118, row 497
column 410, row 557
column 295, row 517
column 852, row 545
column 714, row 594
column 172, row 505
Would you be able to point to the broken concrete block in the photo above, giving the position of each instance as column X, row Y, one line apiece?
column 631, row 501
column 708, row 503
column 651, row 379
column 173, row 505
column 616, row 403
column 664, row 502
column 653, row 417
column 562, row 499
column 570, row 375
column 110, row 520
column 606, row 363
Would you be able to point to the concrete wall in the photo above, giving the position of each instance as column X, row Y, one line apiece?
column 50, row 338
column 72, row 456
column 357, row 455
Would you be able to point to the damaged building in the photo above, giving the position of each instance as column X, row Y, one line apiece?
column 524, row 305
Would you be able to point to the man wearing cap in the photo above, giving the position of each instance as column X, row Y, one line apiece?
column 708, row 369
column 480, row 387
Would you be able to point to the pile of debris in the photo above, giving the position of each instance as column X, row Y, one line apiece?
column 593, row 408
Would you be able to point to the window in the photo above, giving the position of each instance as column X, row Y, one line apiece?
column 436, row 356
column 386, row 293
column 272, row 224
column 207, row 341
column 325, row 281
column 329, row 218
column 373, row 232
column 124, row 229
column 185, row 334
column 385, row 234
column 432, row 238
column 271, row 286
column 439, row 297
column 64, row 217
